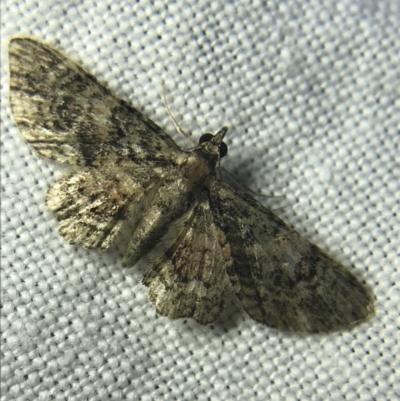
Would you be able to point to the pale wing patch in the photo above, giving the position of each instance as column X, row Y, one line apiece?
column 93, row 206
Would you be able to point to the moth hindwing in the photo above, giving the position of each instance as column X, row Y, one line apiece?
column 201, row 237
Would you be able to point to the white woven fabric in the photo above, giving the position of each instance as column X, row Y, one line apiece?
column 311, row 91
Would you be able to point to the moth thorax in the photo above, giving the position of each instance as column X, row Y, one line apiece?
column 197, row 169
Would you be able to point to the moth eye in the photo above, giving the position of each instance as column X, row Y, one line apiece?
column 205, row 138
column 223, row 148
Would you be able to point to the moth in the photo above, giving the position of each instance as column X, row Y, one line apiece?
column 202, row 238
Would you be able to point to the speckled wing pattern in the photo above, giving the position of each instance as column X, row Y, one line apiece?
column 200, row 238
column 66, row 115
column 190, row 277
column 93, row 205
column 280, row 278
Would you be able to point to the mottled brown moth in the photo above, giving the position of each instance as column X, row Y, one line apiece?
column 202, row 238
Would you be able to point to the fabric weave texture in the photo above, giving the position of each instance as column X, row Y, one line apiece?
column 311, row 92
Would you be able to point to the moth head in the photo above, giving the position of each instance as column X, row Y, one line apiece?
column 213, row 144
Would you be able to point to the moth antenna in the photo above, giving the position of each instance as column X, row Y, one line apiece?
column 177, row 126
